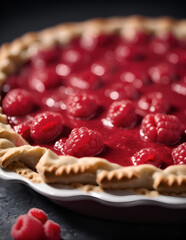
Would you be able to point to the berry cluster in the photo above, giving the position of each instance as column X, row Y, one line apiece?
column 35, row 226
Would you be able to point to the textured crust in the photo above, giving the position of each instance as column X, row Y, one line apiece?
column 40, row 164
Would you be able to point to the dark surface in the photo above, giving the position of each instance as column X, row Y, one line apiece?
column 16, row 199
column 18, row 17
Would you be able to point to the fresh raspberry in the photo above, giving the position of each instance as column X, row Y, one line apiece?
column 18, row 102
column 39, row 214
column 81, row 106
column 83, row 142
column 27, row 228
column 153, row 103
column 59, row 145
column 85, row 80
column 120, row 91
column 52, row 230
column 122, row 114
column 13, row 81
column 161, row 128
column 23, row 129
column 44, row 78
column 162, row 73
column 146, row 156
column 179, row 154
column 46, row 126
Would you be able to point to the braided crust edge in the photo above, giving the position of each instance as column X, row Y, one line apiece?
column 40, row 164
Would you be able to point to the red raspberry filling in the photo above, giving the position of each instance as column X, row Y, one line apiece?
column 97, row 95
column 179, row 154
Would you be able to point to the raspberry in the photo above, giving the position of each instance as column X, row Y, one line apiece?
column 46, row 126
column 59, row 145
column 83, row 142
column 162, row 128
column 180, row 87
column 52, row 230
column 85, row 80
column 162, row 73
column 81, row 106
column 121, row 91
column 27, row 228
column 44, row 78
column 179, row 154
column 146, row 156
column 39, row 214
column 122, row 114
column 138, row 38
column 153, row 103
column 23, row 129
column 18, row 102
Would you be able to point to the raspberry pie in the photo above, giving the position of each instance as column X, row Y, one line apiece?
column 102, row 102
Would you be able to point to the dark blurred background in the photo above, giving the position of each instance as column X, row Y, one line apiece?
column 18, row 16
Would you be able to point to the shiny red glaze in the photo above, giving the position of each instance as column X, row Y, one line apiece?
column 100, row 67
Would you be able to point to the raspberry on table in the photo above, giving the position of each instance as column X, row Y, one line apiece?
column 46, row 126
column 81, row 106
column 39, row 214
column 18, row 102
column 146, row 156
column 122, row 114
column 83, row 142
column 52, row 230
column 161, row 128
column 153, row 102
column 27, row 227
column 179, row 154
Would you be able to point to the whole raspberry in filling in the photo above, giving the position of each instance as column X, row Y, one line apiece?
column 18, row 102
column 179, row 154
column 161, row 128
column 83, row 142
column 122, row 114
column 44, row 78
column 153, row 103
column 46, row 126
column 81, row 106
column 146, row 156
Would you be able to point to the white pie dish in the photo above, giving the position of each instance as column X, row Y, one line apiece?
column 113, row 203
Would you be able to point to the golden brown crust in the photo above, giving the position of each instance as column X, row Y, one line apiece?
column 39, row 164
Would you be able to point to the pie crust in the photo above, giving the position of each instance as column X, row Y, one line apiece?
column 40, row 164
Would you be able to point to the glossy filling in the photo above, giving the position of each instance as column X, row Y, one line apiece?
column 147, row 75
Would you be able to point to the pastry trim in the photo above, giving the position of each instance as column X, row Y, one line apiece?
column 38, row 163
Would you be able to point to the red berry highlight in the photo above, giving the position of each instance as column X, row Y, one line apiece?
column 146, row 156
column 17, row 102
column 122, row 114
column 52, row 230
column 27, row 228
column 83, row 142
column 161, row 128
column 81, row 106
column 46, row 126
column 179, row 154
column 39, row 214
